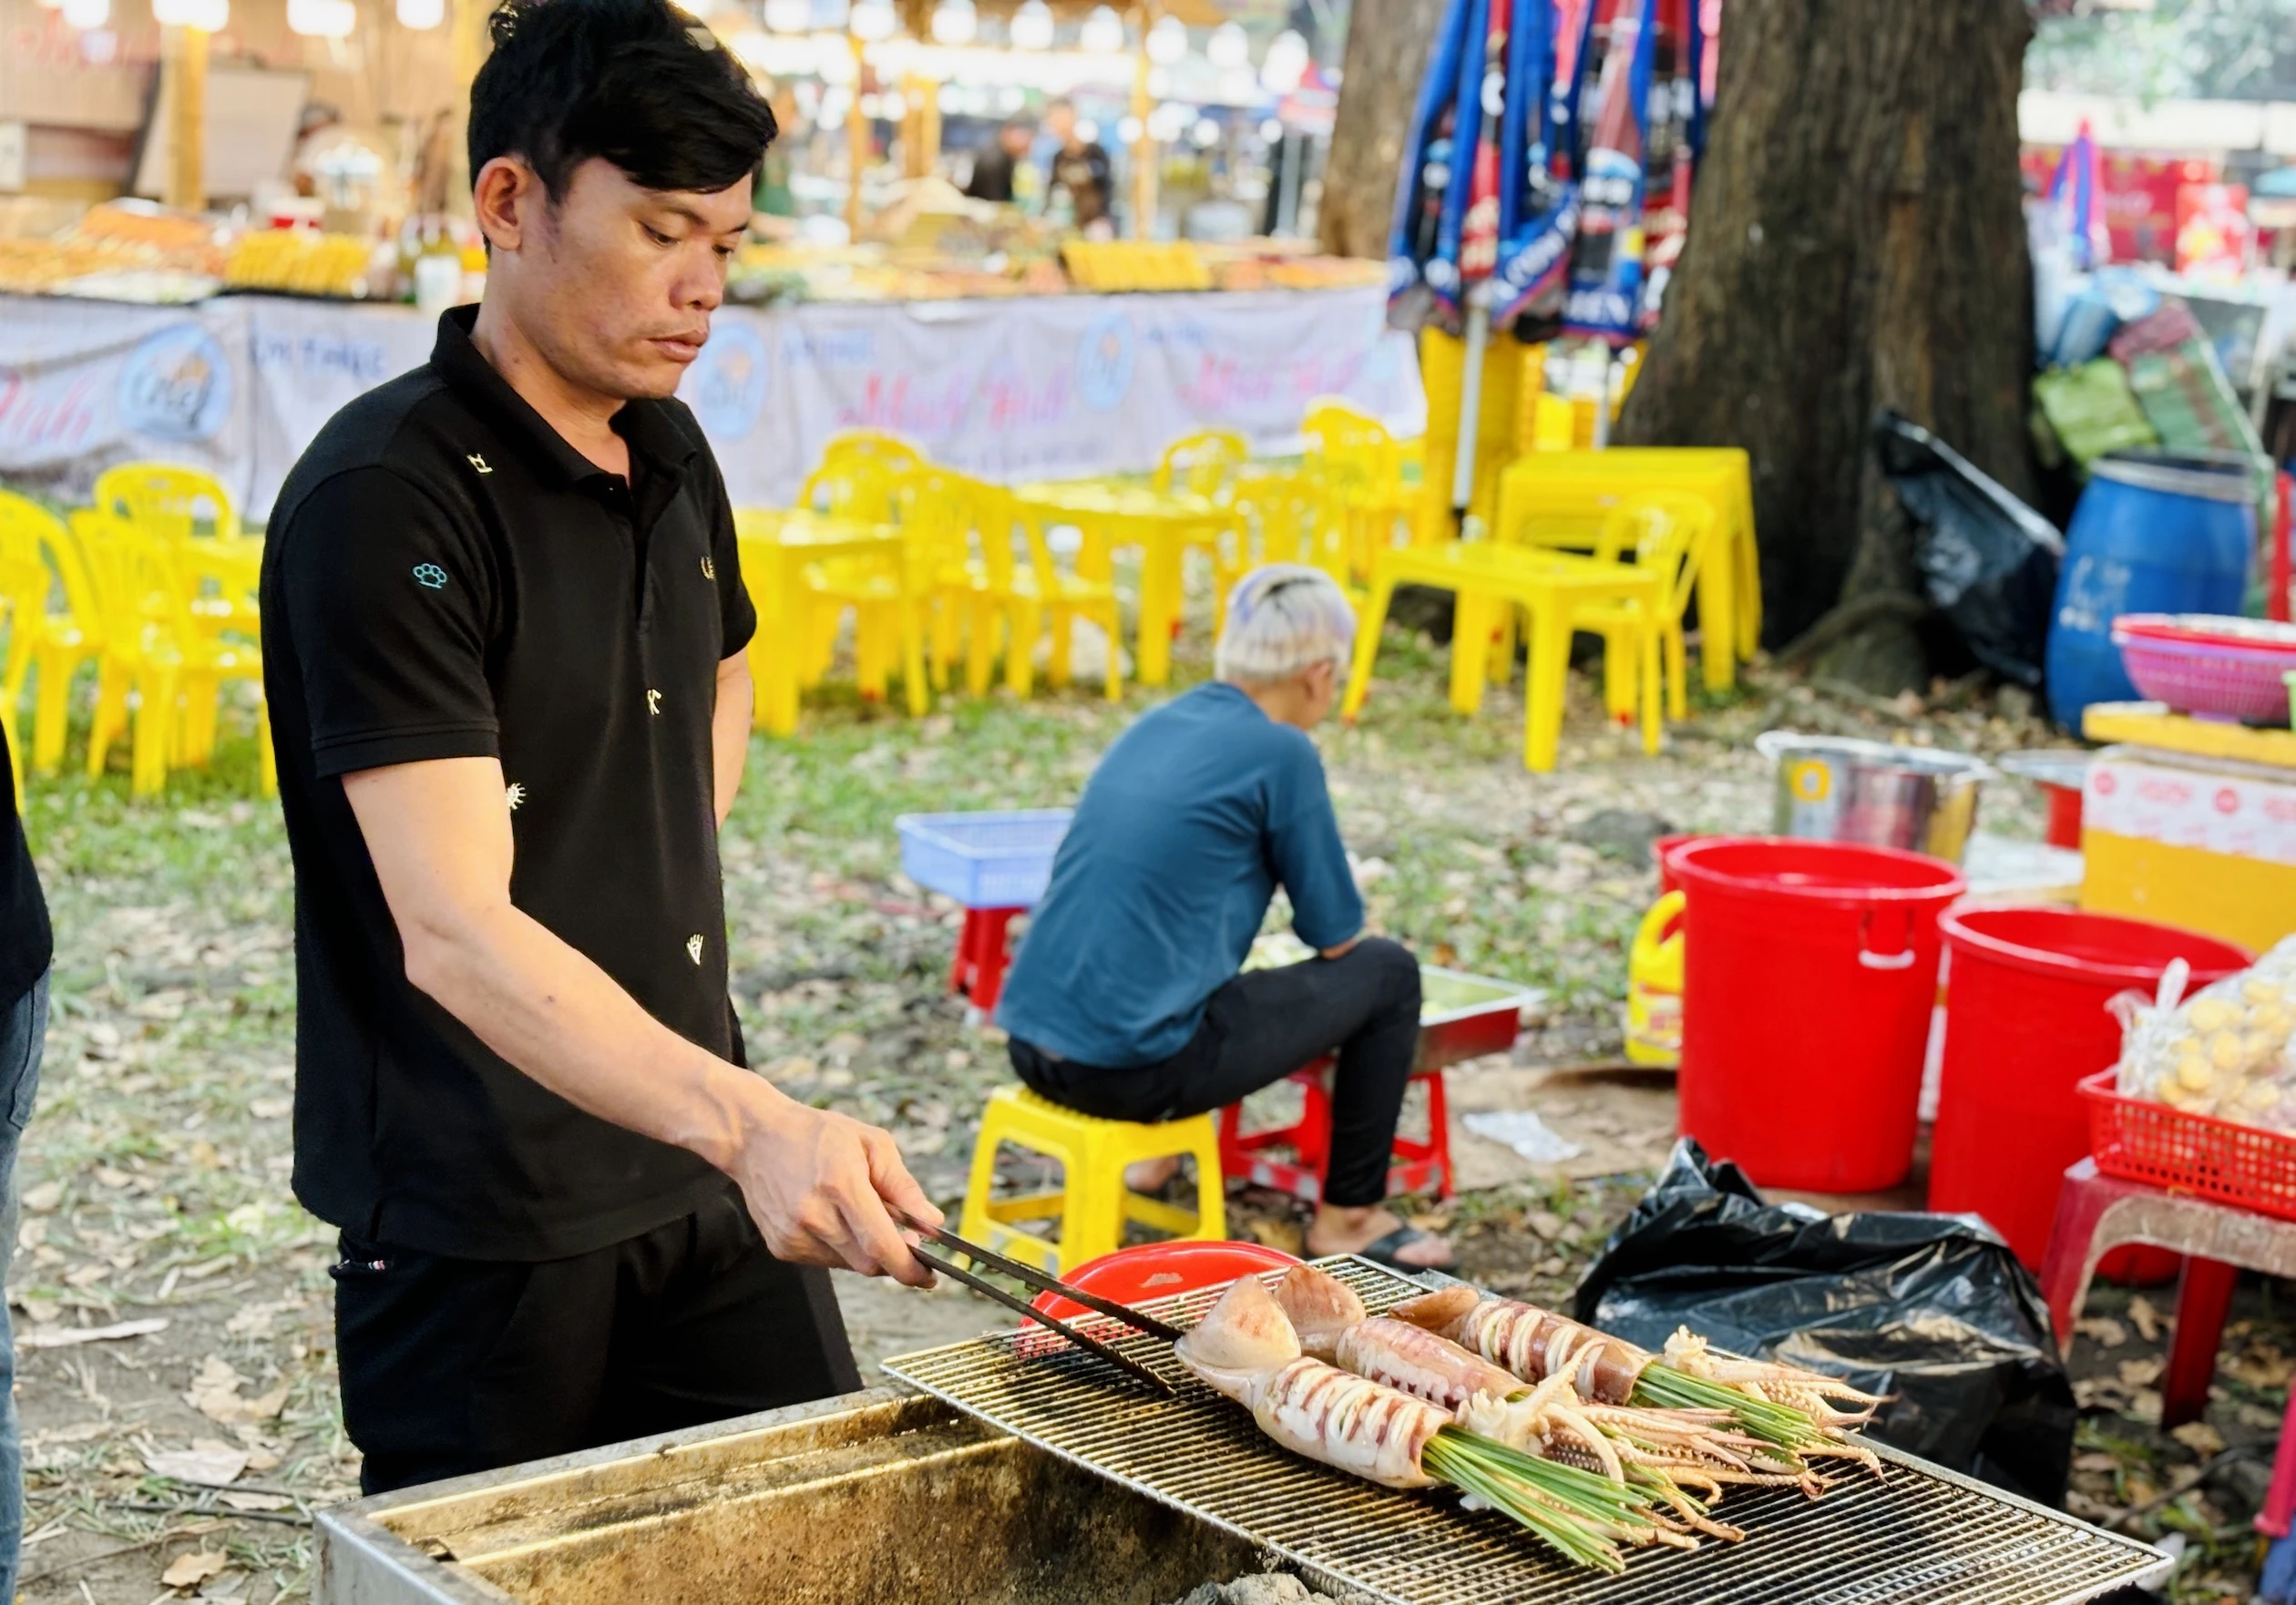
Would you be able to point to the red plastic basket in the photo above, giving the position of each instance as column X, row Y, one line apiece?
column 2139, row 1140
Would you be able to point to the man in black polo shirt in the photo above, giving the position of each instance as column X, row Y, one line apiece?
column 504, row 623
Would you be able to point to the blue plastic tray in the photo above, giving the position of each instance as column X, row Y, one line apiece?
column 990, row 860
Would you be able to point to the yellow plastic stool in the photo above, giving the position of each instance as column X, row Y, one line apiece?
column 1092, row 1203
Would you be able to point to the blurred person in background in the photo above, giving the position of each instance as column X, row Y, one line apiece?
column 25, row 948
column 999, row 166
column 1077, row 176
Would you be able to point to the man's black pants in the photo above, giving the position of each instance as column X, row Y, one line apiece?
column 454, row 1365
column 1258, row 1028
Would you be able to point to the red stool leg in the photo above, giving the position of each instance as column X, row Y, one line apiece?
column 2203, row 1296
column 1439, row 1133
column 988, row 957
column 2065, row 1270
column 2279, row 1502
column 967, row 936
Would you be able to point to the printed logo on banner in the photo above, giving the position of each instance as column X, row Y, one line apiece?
column 1104, row 361
column 176, row 385
column 727, row 386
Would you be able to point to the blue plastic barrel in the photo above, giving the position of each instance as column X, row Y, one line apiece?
column 2154, row 533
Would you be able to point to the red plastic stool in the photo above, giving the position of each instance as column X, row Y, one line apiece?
column 1242, row 1154
column 978, row 972
column 2097, row 1214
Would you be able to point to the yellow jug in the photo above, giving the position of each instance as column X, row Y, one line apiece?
column 1653, row 986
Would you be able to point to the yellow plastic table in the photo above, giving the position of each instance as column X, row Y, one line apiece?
column 1163, row 525
column 1549, row 587
column 776, row 546
column 1583, row 485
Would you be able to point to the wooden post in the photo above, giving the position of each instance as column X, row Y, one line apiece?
column 921, row 128
column 857, row 139
column 187, row 176
column 1144, row 151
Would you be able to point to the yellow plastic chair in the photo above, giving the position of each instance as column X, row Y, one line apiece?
column 779, row 545
column 892, row 594
column 159, row 671
column 1669, row 532
column 1353, row 453
column 1293, row 518
column 1562, row 497
column 1091, row 1203
column 42, row 563
column 190, row 509
column 1045, row 591
column 1204, row 464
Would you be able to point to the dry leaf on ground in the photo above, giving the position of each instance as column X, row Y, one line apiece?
column 2108, row 1332
column 2148, row 1322
column 208, row 1461
column 2199, row 1437
column 63, row 1337
column 188, row 1572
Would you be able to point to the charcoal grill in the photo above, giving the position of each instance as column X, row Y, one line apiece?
column 1916, row 1533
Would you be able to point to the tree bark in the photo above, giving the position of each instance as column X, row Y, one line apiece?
column 1857, row 241
column 1389, row 42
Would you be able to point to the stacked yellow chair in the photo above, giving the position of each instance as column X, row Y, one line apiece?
column 1360, row 465
column 43, row 562
column 1044, row 592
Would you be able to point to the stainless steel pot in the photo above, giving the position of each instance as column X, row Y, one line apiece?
column 1837, row 789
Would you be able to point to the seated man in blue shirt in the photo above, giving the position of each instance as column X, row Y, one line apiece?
column 1124, row 1000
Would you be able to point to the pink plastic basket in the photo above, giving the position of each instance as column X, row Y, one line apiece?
column 2213, row 679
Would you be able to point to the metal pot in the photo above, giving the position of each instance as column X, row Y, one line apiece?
column 1836, row 789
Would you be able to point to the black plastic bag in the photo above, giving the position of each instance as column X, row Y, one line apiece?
column 1988, row 561
column 1932, row 1309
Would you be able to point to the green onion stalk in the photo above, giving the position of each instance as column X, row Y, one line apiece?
column 1662, row 1387
column 1580, row 1514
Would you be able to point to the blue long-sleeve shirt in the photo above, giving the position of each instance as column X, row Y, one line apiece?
column 1193, row 818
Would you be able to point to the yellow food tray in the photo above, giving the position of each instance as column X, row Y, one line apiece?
column 2150, row 724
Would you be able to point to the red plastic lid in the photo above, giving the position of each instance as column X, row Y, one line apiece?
column 1152, row 1269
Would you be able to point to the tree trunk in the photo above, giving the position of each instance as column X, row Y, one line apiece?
column 1856, row 241
column 1389, row 42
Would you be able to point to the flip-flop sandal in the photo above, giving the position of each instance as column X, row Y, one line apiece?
column 1383, row 1251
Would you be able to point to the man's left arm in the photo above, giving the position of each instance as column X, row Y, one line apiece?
column 730, row 729
column 736, row 693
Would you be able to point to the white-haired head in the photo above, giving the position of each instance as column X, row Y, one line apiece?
column 1283, row 619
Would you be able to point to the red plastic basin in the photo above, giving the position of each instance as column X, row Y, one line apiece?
column 1152, row 1270
column 1809, row 973
column 2024, row 1022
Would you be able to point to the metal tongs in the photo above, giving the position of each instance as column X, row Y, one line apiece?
column 1042, row 1282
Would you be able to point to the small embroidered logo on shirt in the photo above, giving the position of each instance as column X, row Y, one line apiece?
column 693, row 949
column 709, row 570
column 513, row 795
column 654, row 701
column 430, row 576
column 479, row 462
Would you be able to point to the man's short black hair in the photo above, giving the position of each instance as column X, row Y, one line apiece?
column 635, row 81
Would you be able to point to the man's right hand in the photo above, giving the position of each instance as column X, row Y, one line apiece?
column 825, row 1189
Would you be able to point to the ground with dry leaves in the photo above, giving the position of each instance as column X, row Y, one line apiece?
column 171, row 1301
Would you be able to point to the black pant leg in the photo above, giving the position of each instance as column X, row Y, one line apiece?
column 1258, row 1028
column 450, row 1366
column 1373, row 1072
column 713, row 1326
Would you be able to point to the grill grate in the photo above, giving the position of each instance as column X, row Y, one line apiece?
column 1919, row 1534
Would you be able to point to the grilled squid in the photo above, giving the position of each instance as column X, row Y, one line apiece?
column 1247, row 1349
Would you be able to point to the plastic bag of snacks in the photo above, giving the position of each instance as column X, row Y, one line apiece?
column 2223, row 1051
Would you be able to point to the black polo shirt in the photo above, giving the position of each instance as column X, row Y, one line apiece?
column 445, row 577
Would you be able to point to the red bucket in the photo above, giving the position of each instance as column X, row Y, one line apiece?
column 2024, row 1022
column 1809, row 973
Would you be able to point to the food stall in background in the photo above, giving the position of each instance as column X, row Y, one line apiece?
column 226, row 282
